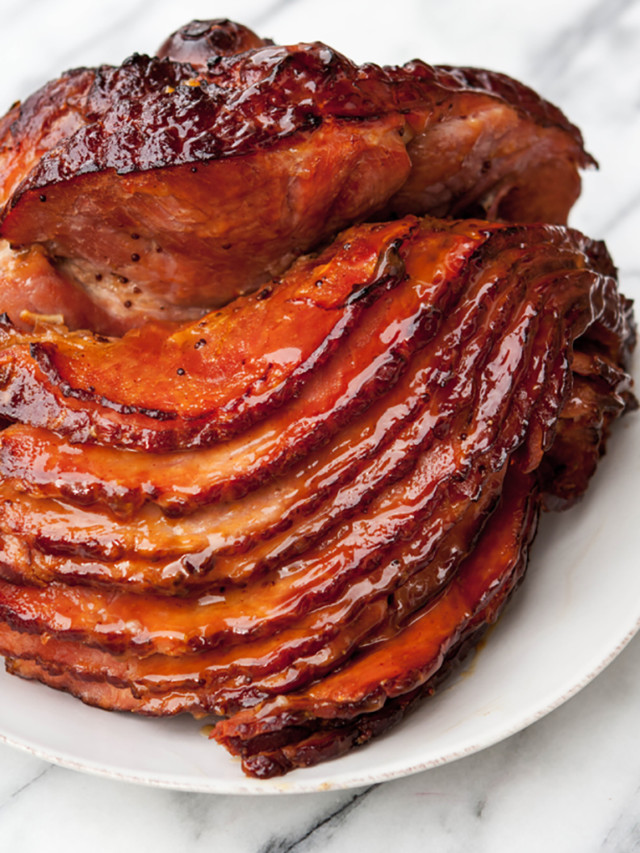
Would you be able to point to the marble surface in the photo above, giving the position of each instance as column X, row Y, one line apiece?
column 571, row 782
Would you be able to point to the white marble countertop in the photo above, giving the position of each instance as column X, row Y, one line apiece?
column 569, row 783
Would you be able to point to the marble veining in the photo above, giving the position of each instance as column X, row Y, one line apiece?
column 569, row 783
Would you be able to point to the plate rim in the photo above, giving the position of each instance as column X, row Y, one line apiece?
column 247, row 786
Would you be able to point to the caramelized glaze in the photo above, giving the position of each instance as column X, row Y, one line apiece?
column 143, row 181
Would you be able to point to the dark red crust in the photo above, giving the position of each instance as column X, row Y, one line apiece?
column 226, row 120
column 224, row 128
column 248, row 130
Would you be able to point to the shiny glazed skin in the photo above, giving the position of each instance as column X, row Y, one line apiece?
column 424, row 503
column 165, row 160
column 198, row 41
column 88, row 389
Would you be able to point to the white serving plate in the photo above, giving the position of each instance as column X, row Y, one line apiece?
column 577, row 609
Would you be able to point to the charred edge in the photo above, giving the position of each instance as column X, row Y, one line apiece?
column 44, row 354
column 390, row 271
column 524, row 100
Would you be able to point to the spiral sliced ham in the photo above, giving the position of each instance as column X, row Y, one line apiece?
column 274, row 437
column 411, row 479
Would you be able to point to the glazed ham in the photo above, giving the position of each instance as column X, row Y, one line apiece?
column 303, row 472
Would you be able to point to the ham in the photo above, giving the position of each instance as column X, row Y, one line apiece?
column 292, row 354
